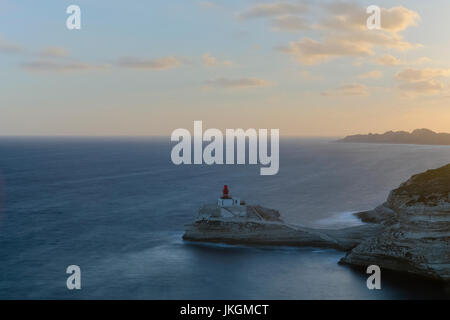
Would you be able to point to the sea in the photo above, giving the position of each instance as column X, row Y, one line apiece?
column 116, row 207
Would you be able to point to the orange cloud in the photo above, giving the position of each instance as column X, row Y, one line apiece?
column 374, row 74
column 422, row 81
column 422, row 74
column 290, row 23
column 390, row 60
column 52, row 66
column 346, row 34
column 54, row 52
column 309, row 51
column 237, row 83
column 398, row 19
column 354, row 89
column 271, row 10
column 149, row 64
column 9, row 48
column 211, row 61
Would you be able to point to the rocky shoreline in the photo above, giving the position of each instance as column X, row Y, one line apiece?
column 410, row 232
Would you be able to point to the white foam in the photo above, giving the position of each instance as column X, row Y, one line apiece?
column 339, row 220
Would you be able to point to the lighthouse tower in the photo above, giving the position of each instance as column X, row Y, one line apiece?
column 226, row 200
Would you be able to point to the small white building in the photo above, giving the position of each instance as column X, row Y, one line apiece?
column 227, row 207
column 230, row 207
column 226, row 200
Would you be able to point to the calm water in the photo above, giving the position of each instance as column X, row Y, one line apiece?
column 117, row 207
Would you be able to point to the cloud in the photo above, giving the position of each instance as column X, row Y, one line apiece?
column 149, row 64
column 422, row 60
column 48, row 65
column 346, row 34
column 309, row 76
column 398, row 19
column 343, row 25
column 211, row 61
column 54, row 52
column 309, row 51
column 425, row 81
column 378, row 39
column 51, row 66
column 237, row 83
column 266, row 10
column 374, row 74
column 284, row 16
column 9, row 48
column 422, row 74
column 354, row 89
column 427, row 87
column 352, row 16
column 344, row 16
column 390, row 60
column 290, row 23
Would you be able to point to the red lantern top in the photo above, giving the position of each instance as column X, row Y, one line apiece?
column 225, row 192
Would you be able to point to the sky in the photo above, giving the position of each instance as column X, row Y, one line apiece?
column 308, row 68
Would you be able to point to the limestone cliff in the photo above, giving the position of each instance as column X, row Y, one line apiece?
column 416, row 234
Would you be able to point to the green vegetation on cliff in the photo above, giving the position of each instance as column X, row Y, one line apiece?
column 429, row 187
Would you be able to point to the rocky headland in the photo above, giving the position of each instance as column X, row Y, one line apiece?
column 410, row 232
column 419, row 136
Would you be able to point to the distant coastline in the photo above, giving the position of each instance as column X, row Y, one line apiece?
column 418, row 136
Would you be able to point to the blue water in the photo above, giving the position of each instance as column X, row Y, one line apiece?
column 117, row 207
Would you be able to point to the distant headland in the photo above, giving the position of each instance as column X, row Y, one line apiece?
column 419, row 136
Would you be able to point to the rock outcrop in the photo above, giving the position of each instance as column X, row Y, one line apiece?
column 416, row 233
column 255, row 225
